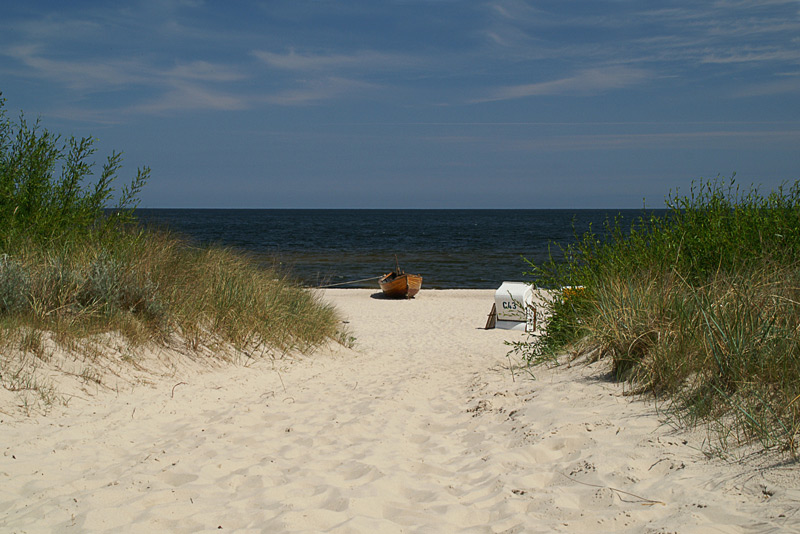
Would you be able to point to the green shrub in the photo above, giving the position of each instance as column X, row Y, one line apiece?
column 43, row 191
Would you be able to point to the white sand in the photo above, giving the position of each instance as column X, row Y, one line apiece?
column 420, row 428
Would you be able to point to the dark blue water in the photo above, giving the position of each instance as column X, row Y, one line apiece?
column 449, row 248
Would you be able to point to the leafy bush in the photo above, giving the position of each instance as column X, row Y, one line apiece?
column 43, row 194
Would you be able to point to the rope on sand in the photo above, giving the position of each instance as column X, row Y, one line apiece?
column 350, row 282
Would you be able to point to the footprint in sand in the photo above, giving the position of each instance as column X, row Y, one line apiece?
column 177, row 479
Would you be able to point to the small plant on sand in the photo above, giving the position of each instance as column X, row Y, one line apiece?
column 699, row 307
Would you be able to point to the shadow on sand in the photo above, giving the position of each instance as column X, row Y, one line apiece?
column 380, row 295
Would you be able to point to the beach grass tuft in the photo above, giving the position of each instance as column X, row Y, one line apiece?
column 699, row 307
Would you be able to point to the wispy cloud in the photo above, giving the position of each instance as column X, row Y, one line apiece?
column 113, row 72
column 362, row 60
column 186, row 96
column 203, row 70
column 317, row 91
column 328, row 76
column 586, row 82
column 77, row 74
column 180, row 86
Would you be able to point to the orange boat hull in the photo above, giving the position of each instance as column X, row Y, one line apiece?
column 400, row 286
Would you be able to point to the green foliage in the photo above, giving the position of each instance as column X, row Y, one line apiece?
column 563, row 327
column 699, row 306
column 43, row 191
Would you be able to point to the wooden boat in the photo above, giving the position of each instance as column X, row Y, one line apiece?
column 400, row 285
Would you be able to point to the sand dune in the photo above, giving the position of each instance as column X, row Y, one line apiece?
column 420, row 428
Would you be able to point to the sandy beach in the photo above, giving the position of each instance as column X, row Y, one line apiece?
column 420, row 427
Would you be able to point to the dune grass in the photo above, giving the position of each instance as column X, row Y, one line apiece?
column 700, row 308
column 147, row 286
column 73, row 266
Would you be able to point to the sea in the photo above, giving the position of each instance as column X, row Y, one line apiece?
column 451, row 249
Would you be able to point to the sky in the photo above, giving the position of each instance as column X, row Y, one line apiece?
column 415, row 103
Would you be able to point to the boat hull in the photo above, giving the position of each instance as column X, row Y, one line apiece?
column 400, row 286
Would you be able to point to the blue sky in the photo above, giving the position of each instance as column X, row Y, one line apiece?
column 415, row 103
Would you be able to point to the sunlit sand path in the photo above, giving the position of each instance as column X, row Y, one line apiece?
column 420, row 428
